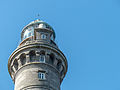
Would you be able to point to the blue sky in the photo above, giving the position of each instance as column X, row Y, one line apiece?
column 87, row 31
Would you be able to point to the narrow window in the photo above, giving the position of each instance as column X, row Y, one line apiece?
column 41, row 75
column 42, row 58
column 32, row 56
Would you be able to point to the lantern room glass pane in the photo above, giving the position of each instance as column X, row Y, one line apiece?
column 43, row 36
column 28, row 33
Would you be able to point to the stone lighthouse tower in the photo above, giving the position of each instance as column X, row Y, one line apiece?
column 37, row 63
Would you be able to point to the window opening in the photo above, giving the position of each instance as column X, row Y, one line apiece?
column 43, row 36
column 41, row 75
column 42, row 58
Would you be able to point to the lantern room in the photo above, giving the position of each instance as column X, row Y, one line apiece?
column 37, row 30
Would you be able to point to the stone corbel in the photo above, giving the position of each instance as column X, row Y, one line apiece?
column 27, row 58
column 55, row 61
column 37, row 55
column 14, row 69
column 19, row 63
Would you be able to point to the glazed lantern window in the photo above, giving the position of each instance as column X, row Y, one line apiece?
column 43, row 36
column 28, row 33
